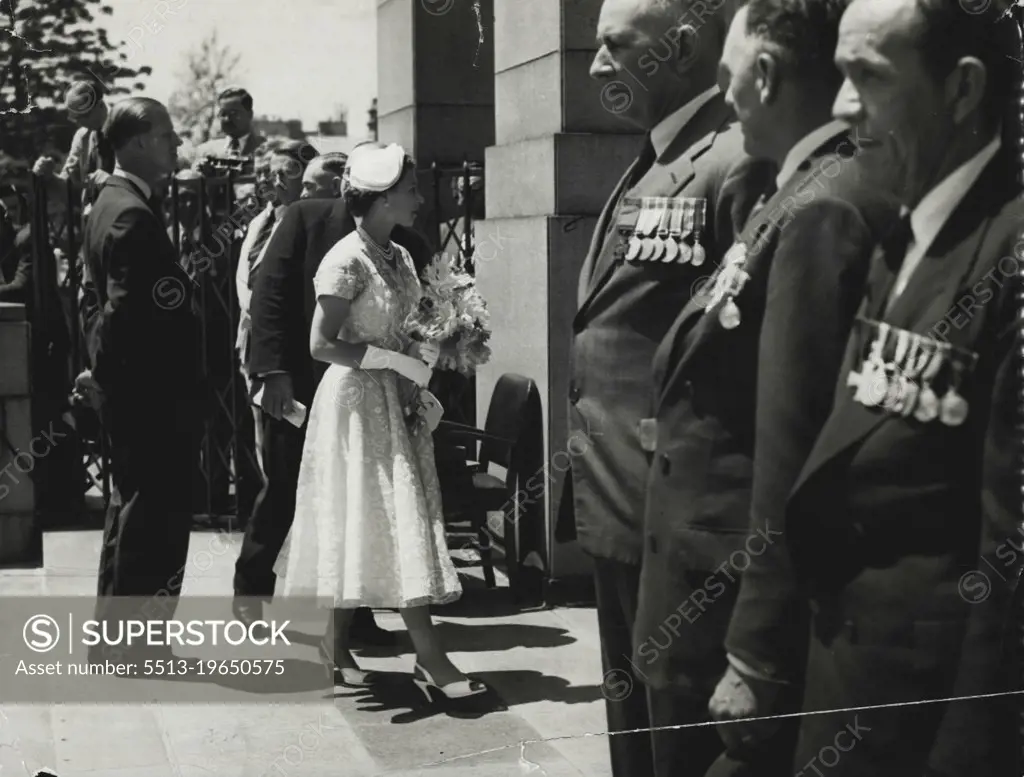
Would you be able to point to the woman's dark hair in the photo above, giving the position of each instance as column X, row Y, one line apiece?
column 359, row 202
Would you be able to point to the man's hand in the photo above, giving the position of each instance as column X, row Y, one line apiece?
column 88, row 389
column 98, row 178
column 736, row 698
column 277, row 395
column 45, row 166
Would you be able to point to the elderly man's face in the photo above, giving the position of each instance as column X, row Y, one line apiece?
column 644, row 54
column 897, row 106
column 286, row 177
column 739, row 80
column 320, row 184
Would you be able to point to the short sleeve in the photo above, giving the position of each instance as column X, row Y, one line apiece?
column 341, row 274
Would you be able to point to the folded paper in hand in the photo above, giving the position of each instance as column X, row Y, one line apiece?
column 431, row 409
column 295, row 415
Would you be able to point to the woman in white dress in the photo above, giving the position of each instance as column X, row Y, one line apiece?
column 368, row 528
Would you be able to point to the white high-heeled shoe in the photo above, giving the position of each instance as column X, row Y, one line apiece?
column 351, row 677
column 460, row 689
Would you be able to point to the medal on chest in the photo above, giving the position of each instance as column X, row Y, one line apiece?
column 902, row 370
column 729, row 282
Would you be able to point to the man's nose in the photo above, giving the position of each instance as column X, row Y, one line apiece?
column 847, row 106
column 602, row 66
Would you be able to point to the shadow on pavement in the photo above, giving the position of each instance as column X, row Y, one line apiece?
column 395, row 691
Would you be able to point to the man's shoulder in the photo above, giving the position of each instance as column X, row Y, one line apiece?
column 313, row 212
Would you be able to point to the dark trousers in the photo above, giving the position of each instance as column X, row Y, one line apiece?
column 250, row 479
column 887, row 736
column 616, row 586
column 145, row 540
column 273, row 511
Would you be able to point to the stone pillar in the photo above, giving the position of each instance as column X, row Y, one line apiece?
column 435, row 82
column 559, row 151
column 21, row 541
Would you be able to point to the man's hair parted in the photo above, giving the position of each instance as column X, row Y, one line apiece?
column 129, row 118
column 803, row 33
column 233, row 92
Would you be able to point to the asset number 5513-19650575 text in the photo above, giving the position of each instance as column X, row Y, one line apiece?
column 253, row 667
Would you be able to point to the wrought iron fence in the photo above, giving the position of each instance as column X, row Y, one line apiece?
column 227, row 475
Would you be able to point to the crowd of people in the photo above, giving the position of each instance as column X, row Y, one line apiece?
column 804, row 502
column 796, row 332
column 327, row 245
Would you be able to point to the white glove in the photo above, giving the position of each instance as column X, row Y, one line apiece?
column 428, row 352
column 407, row 366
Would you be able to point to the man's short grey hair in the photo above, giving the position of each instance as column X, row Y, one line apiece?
column 333, row 162
column 129, row 118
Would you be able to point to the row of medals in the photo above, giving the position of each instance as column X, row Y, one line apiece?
column 659, row 232
column 903, row 386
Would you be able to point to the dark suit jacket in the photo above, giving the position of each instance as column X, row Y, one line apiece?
column 921, row 510
column 141, row 333
column 697, row 517
column 283, row 300
column 624, row 311
column 15, row 262
column 819, row 250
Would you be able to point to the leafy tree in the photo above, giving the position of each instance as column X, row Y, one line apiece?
column 44, row 45
column 209, row 69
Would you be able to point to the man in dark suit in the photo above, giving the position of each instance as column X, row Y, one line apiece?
column 281, row 310
column 665, row 223
column 142, row 342
column 903, row 523
column 806, row 253
column 234, row 113
column 697, row 515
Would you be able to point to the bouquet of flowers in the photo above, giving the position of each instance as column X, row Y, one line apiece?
column 451, row 313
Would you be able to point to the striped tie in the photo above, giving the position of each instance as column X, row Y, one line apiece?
column 257, row 247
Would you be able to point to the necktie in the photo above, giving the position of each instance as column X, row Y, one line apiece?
column 893, row 249
column 644, row 162
column 261, row 240
column 895, row 243
column 234, row 148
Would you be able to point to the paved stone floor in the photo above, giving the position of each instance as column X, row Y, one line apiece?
column 544, row 666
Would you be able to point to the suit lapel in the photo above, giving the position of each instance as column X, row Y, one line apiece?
column 930, row 294
column 669, row 174
column 597, row 239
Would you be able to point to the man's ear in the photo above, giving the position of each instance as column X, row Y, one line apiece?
column 965, row 88
column 766, row 68
column 336, row 185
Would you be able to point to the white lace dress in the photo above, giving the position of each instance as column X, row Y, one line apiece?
column 368, row 525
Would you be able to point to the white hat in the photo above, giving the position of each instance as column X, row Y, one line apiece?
column 375, row 169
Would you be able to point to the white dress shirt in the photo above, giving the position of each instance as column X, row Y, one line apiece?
column 935, row 208
column 241, row 143
column 242, row 273
column 666, row 130
column 806, row 146
column 146, row 189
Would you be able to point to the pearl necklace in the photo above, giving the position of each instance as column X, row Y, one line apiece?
column 387, row 254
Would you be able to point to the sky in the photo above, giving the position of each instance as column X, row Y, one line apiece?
column 299, row 59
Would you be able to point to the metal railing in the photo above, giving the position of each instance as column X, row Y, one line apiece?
column 227, row 477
